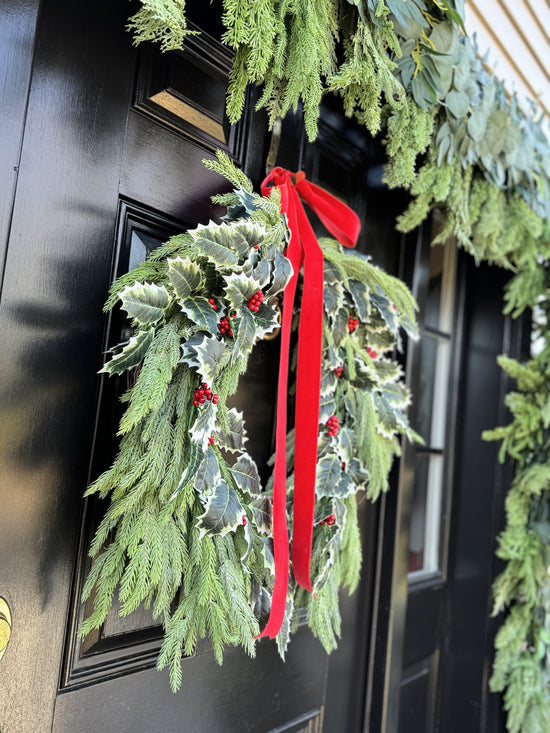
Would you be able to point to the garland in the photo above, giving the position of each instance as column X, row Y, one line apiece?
column 189, row 526
column 401, row 66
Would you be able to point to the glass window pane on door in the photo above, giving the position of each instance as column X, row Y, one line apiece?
column 432, row 402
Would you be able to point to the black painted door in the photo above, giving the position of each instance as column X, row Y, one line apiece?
column 101, row 157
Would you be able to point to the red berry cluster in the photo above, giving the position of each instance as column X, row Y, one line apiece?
column 333, row 424
column 211, row 440
column 352, row 324
column 254, row 302
column 204, row 393
column 372, row 353
column 329, row 520
column 213, row 304
column 225, row 327
column 339, row 371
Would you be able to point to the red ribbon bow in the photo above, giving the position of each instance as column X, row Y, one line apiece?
column 303, row 249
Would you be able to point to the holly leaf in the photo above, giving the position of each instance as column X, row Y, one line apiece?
column 214, row 243
column 345, row 486
column 266, row 551
column 202, row 428
column 262, row 271
column 207, row 473
column 266, row 320
column 333, row 299
column 144, row 302
column 246, row 332
column 199, row 310
column 339, row 329
column 247, row 478
column 327, row 407
column 358, row 472
column 239, row 288
column 223, row 512
column 234, row 438
column 132, row 353
column 387, row 370
column 360, row 296
column 196, row 457
column 330, row 549
column 328, row 475
column 185, row 276
column 384, row 307
column 283, row 637
column 262, row 512
column 204, row 353
column 249, row 538
column 261, row 602
column 344, row 445
column 282, row 272
column 328, row 383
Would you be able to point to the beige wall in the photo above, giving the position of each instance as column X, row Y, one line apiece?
column 517, row 34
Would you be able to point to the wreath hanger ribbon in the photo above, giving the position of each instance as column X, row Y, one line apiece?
column 303, row 250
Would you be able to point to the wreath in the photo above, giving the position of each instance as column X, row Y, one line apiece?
column 189, row 528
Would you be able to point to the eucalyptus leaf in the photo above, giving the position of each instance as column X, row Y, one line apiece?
column 458, row 103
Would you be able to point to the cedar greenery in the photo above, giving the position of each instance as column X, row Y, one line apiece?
column 401, row 66
column 188, row 528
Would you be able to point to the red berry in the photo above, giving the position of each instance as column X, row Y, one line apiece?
column 211, row 440
column 244, row 520
column 215, row 399
column 330, row 520
column 256, row 246
column 196, row 403
column 372, row 353
column 344, row 465
column 322, row 521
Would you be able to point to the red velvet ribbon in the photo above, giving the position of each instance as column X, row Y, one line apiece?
column 303, row 250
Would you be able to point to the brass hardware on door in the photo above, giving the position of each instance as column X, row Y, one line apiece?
column 5, row 626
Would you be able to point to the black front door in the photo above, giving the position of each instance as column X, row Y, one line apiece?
column 102, row 153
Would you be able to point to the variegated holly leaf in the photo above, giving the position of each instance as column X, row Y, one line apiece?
column 339, row 329
column 247, row 199
column 262, row 271
column 247, row 478
column 329, row 380
column 329, row 469
column 249, row 538
column 332, row 360
column 358, row 472
column 331, row 548
column 262, row 512
column 345, row 486
column 344, row 445
column 380, row 340
column 199, row 310
column 246, row 332
column 331, row 274
column 207, row 472
column 239, row 288
column 282, row 272
column 365, row 376
column 203, row 427
column 196, row 457
column 390, row 413
column 266, row 550
column 185, row 276
column 333, row 299
column 360, row 296
column 327, row 407
column 266, row 320
column 283, row 637
column 144, row 302
column 252, row 232
column 387, row 370
column 234, row 438
column 223, row 512
column 215, row 243
column 386, row 310
column 132, row 353
column 260, row 601
column 204, row 353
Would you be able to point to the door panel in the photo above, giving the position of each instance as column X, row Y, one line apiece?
column 99, row 166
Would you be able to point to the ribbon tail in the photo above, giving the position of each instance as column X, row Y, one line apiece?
column 308, row 387
column 280, row 528
column 341, row 221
